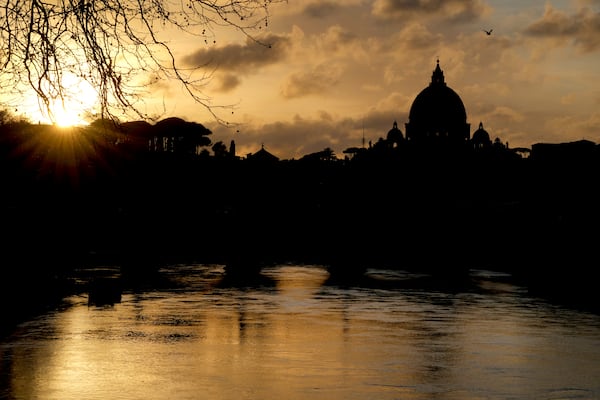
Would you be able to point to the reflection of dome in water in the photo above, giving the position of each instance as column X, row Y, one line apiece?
column 437, row 114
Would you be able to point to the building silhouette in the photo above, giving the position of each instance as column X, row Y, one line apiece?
column 437, row 115
column 263, row 156
column 394, row 136
column 481, row 138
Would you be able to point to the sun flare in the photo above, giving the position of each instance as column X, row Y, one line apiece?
column 79, row 102
column 67, row 116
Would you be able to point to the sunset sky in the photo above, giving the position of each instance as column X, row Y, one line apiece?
column 338, row 70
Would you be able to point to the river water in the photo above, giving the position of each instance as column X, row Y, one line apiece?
column 295, row 332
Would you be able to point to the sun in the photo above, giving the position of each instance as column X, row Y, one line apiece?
column 79, row 101
column 67, row 115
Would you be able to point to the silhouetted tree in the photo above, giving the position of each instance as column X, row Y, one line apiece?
column 115, row 46
column 6, row 117
column 179, row 136
column 105, row 132
column 326, row 154
column 220, row 150
column 204, row 153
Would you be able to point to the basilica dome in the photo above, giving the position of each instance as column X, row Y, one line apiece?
column 438, row 114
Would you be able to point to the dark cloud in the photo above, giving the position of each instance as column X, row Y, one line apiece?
column 590, row 2
column 417, row 37
column 591, row 126
column 227, row 82
column 242, row 58
column 298, row 137
column 336, row 39
column 581, row 28
column 340, row 36
column 378, row 122
column 321, row 9
column 316, row 81
column 453, row 10
column 302, row 135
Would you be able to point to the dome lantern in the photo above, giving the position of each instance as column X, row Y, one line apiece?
column 437, row 78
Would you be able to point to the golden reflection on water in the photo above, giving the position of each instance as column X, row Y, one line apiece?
column 295, row 337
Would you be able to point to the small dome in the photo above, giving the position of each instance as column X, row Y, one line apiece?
column 481, row 137
column 395, row 135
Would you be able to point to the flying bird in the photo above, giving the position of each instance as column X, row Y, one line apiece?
column 488, row 32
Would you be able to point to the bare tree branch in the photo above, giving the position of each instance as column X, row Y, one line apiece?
column 115, row 46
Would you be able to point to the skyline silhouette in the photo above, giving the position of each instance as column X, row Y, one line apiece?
column 137, row 192
column 432, row 198
column 327, row 82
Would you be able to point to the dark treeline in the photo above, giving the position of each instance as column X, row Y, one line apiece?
column 140, row 195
